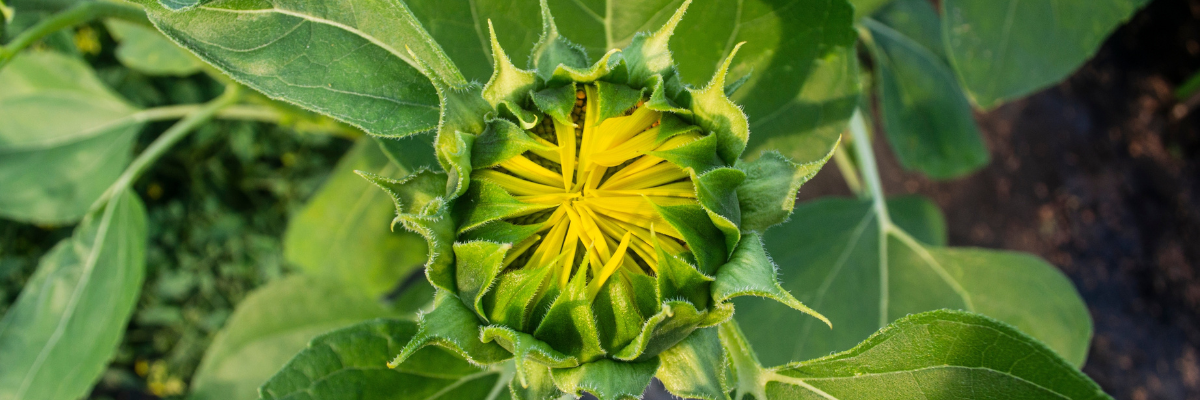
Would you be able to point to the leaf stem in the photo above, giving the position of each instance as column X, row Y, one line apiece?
column 865, row 157
column 79, row 14
column 850, row 174
column 243, row 112
column 170, row 137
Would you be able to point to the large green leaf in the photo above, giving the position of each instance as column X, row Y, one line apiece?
column 933, row 355
column 861, row 270
column 64, row 138
column 461, row 26
column 269, row 327
column 352, row 363
column 345, row 230
column 1004, row 49
column 927, row 117
column 58, row 337
column 147, row 51
column 361, row 61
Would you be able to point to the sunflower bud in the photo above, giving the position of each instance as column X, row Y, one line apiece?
column 588, row 217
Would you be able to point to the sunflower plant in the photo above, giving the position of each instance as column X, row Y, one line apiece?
column 615, row 213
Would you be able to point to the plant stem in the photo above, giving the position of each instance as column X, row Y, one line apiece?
column 245, row 113
column 846, row 166
column 79, row 14
column 170, row 137
column 865, row 157
column 242, row 112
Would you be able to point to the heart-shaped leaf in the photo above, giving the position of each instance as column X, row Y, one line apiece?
column 64, row 137
column 862, row 270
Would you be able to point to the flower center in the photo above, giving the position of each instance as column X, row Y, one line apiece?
column 600, row 185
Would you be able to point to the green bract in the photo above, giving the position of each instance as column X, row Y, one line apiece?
column 588, row 217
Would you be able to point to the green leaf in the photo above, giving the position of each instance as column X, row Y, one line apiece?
column 270, row 326
column 750, row 272
column 344, row 232
column 477, row 264
column 1005, row 49
column 461, row 27
column 939, row 355
column 915, row 20
column 452, row 326
column 64, row 138
column 538, row 384
column 553, row 50
column 862, row 271
column 499, row 142
column 768, row 195
column 920, row 217
column 486, row 203
column 351, row 363
column 679, row 280
column 708, row 243
column 60, row 334
column 716, row 190
column 420, row 208
column 716, row 113
column 607, row 379
column 146, row 50
column 803, row 83
column 927, row 118
column 673, row 323
column 509, row 86
column 570, row 323
column 363, row 62
column 695, row 368
column 181, row 4
column 412, row 153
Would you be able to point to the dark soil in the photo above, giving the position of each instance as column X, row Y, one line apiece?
column 1099, row 175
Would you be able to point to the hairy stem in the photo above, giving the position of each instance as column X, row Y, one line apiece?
column 79, row 14
column 751, row 377
column 169, row 138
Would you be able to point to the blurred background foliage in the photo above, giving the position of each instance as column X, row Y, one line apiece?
column 218, row 205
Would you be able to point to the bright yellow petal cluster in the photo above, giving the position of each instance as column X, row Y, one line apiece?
column 598, row 182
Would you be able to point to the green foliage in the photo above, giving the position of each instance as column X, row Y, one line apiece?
column 1009, row 48
column 352, row 363
column 145, row 50
column 862, row 271
column 344, row 233
column 270, row 326
column 58, row 336
column 407, row 73
column 360, row 71
column 934, row 355
column 925, row 114
column 64, row 138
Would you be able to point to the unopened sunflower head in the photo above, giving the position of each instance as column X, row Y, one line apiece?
column 590, row 216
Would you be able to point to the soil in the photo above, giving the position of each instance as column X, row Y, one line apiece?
column 1100, row 175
